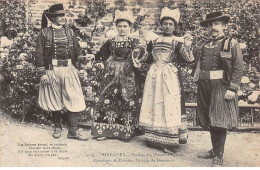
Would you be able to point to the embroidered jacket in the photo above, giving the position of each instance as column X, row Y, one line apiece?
column 232, row 62
column 45, row 47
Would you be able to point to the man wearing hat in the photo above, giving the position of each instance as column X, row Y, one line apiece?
column 218, row 74
column 57, row 52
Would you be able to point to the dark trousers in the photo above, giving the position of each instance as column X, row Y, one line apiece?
column 218, row 139
column 72, row 121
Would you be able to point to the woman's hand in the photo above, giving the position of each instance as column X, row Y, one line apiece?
column 87, row 61
column 187, row 39
column 135, row 57
column 45, row 79
column 90, row 56
column 87, row 57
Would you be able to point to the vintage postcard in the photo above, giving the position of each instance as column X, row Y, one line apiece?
column 129, row 83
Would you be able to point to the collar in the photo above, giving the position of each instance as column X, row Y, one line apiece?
column 56, row 26
column 167, row 35
column 212, row 42
column 122, row 38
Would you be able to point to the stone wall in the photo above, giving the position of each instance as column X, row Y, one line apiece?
column 75, row 8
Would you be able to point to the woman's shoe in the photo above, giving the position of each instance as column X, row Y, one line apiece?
column 82, row 135
column 72, row 137
column 165, row 150
column 101, row 138
column 183, row 139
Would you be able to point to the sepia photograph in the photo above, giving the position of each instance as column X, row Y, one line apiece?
column 129, row 83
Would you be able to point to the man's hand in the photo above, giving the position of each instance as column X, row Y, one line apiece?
column 230, row 95
column 45, row 79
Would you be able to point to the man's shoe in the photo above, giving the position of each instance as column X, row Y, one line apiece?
column 217, row 161
column 207, row 155
column 57, row 133
column 77, row 137
column 73, row 134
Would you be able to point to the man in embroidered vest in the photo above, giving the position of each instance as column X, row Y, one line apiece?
column 57, row 52
column 218, row 74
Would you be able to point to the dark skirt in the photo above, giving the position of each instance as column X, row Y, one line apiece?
column 116, row 114
column 213, row 110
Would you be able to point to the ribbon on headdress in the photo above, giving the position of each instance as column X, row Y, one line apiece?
column 45, row 18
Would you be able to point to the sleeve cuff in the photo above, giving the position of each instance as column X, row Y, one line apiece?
column 187, row 54
column 233, row 87
column 40, row 71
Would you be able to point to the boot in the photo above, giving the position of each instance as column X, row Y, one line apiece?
column 207, row 155
column 218, row 158
column 210, row 154
column 56, row 115
column 73, row 125
column 214, row 140
column 217, row 161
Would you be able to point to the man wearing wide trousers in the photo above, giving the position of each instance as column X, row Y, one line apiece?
column 57, row 52
column 218, row 74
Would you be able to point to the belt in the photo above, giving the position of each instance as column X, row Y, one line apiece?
column 163, row 63
column 61, row 63
column 211, row 75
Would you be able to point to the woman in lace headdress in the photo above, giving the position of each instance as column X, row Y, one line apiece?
column 117, row 111
column 163, row 104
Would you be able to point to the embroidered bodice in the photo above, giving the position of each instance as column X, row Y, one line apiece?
column 121, row 48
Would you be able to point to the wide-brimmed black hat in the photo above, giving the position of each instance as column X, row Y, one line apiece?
column 54, row 10
column 215, row 16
